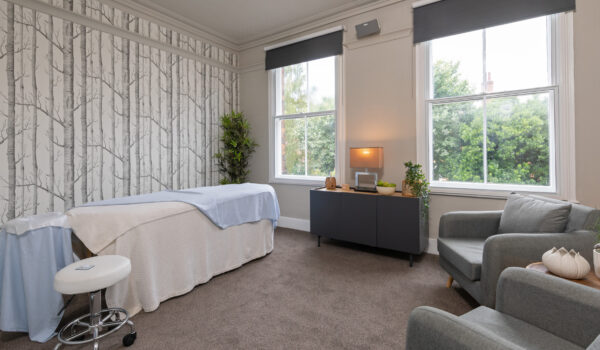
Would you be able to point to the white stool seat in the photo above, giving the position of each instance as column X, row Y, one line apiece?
column 92, row 274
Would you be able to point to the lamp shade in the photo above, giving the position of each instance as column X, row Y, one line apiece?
column 366, row 157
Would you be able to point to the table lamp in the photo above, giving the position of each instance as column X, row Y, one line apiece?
column 367, row 158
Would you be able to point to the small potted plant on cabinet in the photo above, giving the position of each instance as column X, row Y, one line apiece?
column 415, row 183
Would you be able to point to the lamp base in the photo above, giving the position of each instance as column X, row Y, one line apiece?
column 366, row 181
column 365, row 189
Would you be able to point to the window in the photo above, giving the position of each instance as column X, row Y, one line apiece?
column 490, row 105
column 304, row 121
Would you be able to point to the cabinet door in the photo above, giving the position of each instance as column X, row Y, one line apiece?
column 358, row 219
column 398, row 221
column 324, row 212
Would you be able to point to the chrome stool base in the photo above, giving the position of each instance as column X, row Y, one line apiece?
column 96, row 325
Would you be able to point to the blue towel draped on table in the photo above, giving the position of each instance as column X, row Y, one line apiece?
column 225, row 206
column 32, row 250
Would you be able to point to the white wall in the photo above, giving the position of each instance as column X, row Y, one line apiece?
column 380, row 104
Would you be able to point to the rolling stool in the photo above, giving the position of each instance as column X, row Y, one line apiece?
column 91, row 276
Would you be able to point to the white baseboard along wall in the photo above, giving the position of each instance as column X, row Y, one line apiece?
column 304, row 225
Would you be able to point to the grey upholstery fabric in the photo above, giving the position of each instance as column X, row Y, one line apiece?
column 472, row 287
column 504, row 250
column 432, row 329
column 566, row 309
column 595, row 345
column 528, row 215
column 535, row 311
column 581, row 217
column 518, row 332
column 469, row 224
column 521, row 249
column 464, row 253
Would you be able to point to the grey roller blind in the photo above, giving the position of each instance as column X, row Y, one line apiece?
column 449, row 17
column 306, row 50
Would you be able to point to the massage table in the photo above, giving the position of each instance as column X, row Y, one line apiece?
column 173, row 245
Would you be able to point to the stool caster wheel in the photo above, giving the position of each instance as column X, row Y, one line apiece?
column 129, row 339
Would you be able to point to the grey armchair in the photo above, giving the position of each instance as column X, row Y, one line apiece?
column 533, row 311
column 474, row 254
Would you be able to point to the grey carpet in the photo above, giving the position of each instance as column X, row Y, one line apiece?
column 299, row 296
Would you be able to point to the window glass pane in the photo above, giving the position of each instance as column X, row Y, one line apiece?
column 517, row 55
column 518, row 140
column 321, row 84
column 321, row 145
column 293, row 89
column 458, row 141
column 292, row 146
column 457, row 65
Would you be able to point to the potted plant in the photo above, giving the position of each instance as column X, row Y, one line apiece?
column 415, row 183
column 386, row 188
column 237, row 147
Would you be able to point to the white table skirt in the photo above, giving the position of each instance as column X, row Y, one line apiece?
column 172, row 254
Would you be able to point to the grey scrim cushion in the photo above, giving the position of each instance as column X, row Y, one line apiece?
column 524, row 214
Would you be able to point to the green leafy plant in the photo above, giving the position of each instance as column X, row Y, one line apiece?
column 596, row 228
column 385, row 184
column 237, row 147
column 416, row 180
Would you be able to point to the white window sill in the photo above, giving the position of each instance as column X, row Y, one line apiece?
column 298, row 180
column 487, row 191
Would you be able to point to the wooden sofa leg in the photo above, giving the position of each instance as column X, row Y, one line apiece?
column 449, row 283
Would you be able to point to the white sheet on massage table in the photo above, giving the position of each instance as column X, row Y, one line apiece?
column 172, row 254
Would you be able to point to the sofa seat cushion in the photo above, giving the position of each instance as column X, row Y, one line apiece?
column 464, row 253
column 522, row 334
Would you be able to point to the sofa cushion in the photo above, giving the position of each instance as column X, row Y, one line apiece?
column 522, row 334
column 463, row 253
column 525, row 214
column 581, row 217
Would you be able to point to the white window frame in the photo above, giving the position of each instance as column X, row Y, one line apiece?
column 274, row 152
column 562, row 123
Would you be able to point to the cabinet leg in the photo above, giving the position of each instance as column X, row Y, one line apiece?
column 318, row 241
column 449, row 283
column 410, row 260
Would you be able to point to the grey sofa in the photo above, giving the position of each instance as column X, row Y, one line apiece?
column 533, row 311
column 474, row 254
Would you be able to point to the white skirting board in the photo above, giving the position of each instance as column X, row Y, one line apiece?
column 294, row 223
column 432, row 247
column 304, row 225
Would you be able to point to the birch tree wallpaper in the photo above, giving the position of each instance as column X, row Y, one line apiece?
column 87, row 115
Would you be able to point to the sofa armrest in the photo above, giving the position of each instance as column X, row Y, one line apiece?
column 431, row 329
column 469, row 224
column 563, row 308
column 520, row 249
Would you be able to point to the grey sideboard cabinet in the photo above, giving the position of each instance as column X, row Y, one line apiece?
column 394, row 222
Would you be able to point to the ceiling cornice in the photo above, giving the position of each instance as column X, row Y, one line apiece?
column 166, row 17
column 304, row 21
column 282, row 33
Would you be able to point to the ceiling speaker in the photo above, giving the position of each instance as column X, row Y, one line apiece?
column 367, row 28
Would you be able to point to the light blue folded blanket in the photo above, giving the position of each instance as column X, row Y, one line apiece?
column 225, row 206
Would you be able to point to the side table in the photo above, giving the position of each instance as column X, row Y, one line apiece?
column 590, row 280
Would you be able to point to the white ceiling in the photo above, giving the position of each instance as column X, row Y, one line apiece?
column 243, row 21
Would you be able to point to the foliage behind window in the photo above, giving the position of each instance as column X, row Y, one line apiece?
column 491, row 106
